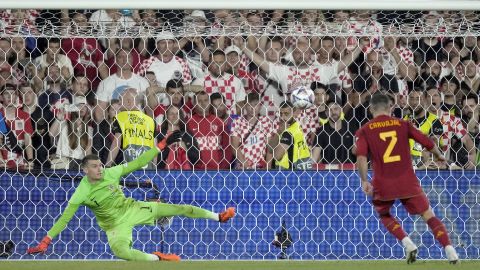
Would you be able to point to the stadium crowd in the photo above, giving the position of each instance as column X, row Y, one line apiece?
column 66, row 93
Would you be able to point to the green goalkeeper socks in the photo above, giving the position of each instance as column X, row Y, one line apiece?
column 169, row 210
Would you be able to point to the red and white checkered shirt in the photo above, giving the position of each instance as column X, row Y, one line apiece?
column 166, row 71
column 309, row 120
column 249, row 81
column 390, row 65
column 271, row 96
column 292, row 77
column 25, row 19
column 228, row 85
column 254, row 146
column 21, row 125
column 452, row 126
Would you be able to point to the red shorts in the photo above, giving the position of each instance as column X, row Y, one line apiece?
column 414, row 205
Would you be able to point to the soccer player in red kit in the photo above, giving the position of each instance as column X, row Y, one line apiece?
column 384, row 140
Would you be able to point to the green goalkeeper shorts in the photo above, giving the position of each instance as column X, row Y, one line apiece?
column 139, row 213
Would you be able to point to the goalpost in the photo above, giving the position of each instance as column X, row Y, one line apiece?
column 324, row 210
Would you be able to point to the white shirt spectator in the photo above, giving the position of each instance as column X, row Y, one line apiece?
column 107, row 87
column 63, row 144
column 291, row 77
column 390, row 65
column 228, row 85
column 174, row 69
column 61, row 60
column 272, row 96
column 101, row 17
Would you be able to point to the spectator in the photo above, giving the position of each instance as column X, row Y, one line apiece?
column 327, row 60
column 175, row 93
column 398, row 60
column 52, row 56
column 126, row 44
column 111, row 19
column 166, row 65
column 150, row 20
column 41, row 142
column 426, row 122
column 220, row 110
column 453, row 128
column 6, row 76
column 450, row 88
column 18, row 151
column 432, row 73
column 428, row 47
column 271, row 91
column 11, row 19
column 334, row 139
column 311, row 119
column 248, row 79
column 471, row 114
column 19, row 58
column 56, row 91
column 210, row 133
column 86, row 56
column 288, row 146
column 80, row 86
column 372, row 77
column 250, row 135
column 132, row 129
column 103, row 134
column 196, row 48
column 79, row 24
column 72, row 136
column 220, row 81
column 122, row 79
column 182, row 155
column 471, row 77
column 302, row 73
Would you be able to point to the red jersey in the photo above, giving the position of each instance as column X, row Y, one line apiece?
column 210, row 133
column 20, row 126
column 85, row 54
column 385, row 140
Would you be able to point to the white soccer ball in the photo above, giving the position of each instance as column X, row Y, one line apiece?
column 302, row 97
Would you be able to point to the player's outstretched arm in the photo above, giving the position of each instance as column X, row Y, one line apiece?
column 148, row 156
column 58, row 227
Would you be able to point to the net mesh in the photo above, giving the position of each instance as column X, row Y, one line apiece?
column 68, row 77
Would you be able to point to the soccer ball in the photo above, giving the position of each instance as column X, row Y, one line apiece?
column 302, row 97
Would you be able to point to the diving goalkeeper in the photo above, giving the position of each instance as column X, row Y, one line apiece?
column 99, row 190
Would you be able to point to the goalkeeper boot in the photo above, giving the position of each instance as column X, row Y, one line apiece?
column 226, row 215
column 451, row 254
column 167, row 257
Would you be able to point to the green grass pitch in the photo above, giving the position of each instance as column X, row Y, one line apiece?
column 238, row 265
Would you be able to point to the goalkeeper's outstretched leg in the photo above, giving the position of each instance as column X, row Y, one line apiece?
column 169, row 210
column 120, row 237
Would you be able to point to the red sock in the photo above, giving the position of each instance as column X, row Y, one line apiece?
column 393, row 226
column 439, row 231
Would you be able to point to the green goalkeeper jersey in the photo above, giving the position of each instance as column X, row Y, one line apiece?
column 105, row 198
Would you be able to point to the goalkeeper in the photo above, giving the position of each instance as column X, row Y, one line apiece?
column 99, row 190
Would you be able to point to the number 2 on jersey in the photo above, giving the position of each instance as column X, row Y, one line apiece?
column 387, row 156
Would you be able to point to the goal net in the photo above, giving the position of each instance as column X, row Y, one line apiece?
column 222, row 77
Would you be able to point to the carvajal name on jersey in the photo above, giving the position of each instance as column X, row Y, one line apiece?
column 383, row 124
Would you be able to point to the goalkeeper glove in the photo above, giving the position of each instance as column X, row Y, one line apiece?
column 173, row 137
column 42, row 247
